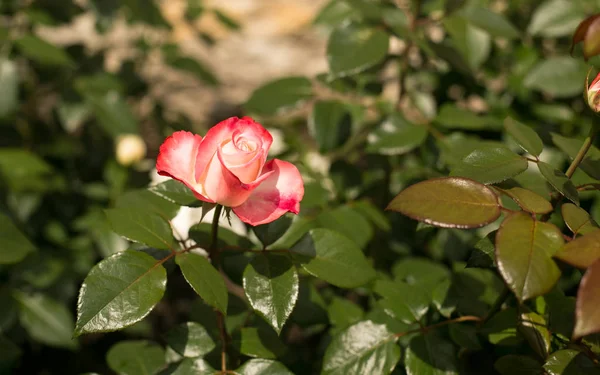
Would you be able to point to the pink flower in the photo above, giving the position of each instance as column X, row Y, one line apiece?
column 592, row 94
column 229, row 167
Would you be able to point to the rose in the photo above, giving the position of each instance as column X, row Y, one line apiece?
column 228, row 167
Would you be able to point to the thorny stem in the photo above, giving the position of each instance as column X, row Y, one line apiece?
column 466, row 318
column 214, row 255
column 585, row 147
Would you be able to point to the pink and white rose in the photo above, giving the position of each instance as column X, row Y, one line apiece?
column 229, row 166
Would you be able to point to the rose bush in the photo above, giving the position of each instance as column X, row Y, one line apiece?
column 228, row 167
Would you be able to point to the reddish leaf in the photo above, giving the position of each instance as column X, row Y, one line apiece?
column 587, row 313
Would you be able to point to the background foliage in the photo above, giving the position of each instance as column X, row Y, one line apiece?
column 415, row 91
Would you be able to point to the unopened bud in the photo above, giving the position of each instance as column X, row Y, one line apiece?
column 588, row 32
column 130, row 148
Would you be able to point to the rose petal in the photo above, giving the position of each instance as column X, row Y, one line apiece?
column 177, row 159
column 281, row 192
column 225, row 131
column 246, row 165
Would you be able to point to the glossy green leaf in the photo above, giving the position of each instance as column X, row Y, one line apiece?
column 364, row 348
column 141, row 226
column 590, row 163
column 577, row 219
column 330, row 124
column 112, row 113
column 176, row 192
column 473, row 43
column 352, row 49
column 142, row 199
column 570, row 362
column 529, row 201
column 555, row 18
column 119, row 291
column 587, row 314
column 343, row 313
column 453, row 117
column 582, row 251
column 14, row 246
column 348, row 222
column 9, row 81
column 430, row 354
column 372, row 213
column 259, row 366
column 465, row 336
column 561, row 76
column 518, row 365
column 46, row 320
column 273, row 231
column 407, row 303
column 525, row 136
column 42, row 51
column 190, row 339
column 279, row 95
column 524, row 250
column 271, row 285
column 260, row 343
column 396, row 136
column 135, row 357
column 535, row 330
column 559, row 181
column 483, row 255
column 204, row 279
column 490, row 165
column 450, row 202
column 190, row 366
column 501, row 329
column 495, row 24
column 333, row 258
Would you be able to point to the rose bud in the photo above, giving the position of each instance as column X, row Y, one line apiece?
column 130, row 148
column 593, row 97
column 588, row 31
column 228, row 166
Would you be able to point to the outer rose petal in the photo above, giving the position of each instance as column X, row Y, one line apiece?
column 224, row 131
column 281, row 192
column 177, row 159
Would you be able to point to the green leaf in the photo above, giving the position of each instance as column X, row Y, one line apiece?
column 190, row 340
column 577, row 219
column 142, row 226
column 529, row 201
column 450, row 202
column 518, row 365
column 364, row 348
column 190, row 366
column 525, row 136
column 343, row 313
column 570, row 362
column 559, row 181
column 407, row 303
column 271, row 285
column 142, row 199
column 473, row 43
column 555, row 18
column 22, row 170
column 483, row 255
column 396, row 136
column 348, row 222
column 374, row 214
column 352, row 49
column 561, row 76
column 330, row 124
column 193, row 66
column 204, row 279
column 137, row 357
column 453, row 117
column 535, row 330
column 9, row 81
column 334, row 258
column 43, row 52
column 465, row 336
column 587, row 314
column 570, row 146
column 260, row 343
column 14, row 246
column 9, row 352
column 430, row 354
column 582, row 251
column 279, row 95
column 490, row 165
column 524, row 250
column 146, row 12
column 501, row 329
column 112, row 113
column 273, row 231
column 46, row 320
column 119, row 291
column 176, row 192
column 495, row 24
column 263, row 367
